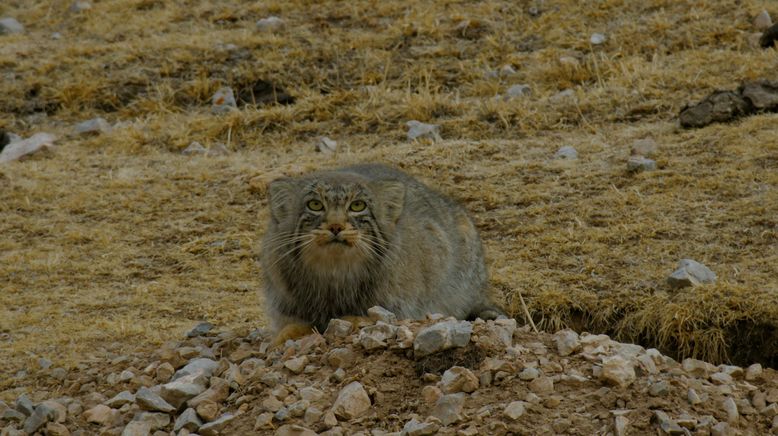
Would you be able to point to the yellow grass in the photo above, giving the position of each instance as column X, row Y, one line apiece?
column 118, row 241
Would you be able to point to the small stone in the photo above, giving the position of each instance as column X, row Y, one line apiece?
column 770, row 411
column 693, row 397
column 294, row 430
column 148, row 400
column 566, row 342
column 772, row 395
column 338, row 328
column 59, row 373
column 514, row 410
column 264, row 421
column 188, row 420
column 12, row 415
column 311, row 394
column 416, row 428
column 223, row 101
column 763, row 20
column 56, row 429
column 352, row 401
column 403, row 336
column 754, row 372
column 519, row 90
column 458, row 379
column 731, row 408
column 154, row 421
column 441, row 336
column 214, row 428
column 137, row 428
column 218, row 391
column 120, row 399
column 95, row 125
column 561, row 96
column 431, row 394
column 620, row 425
column 697, row 368
column 44, row 363
column 202, row 328
column 617, row 371
column 721, row 429
column 645, row 147
column 102, row 414
column 690, row 273
column 597, row 39
column 448, row 408
column 687, row 421
column 378, row 313
column 164, row 372
column 270, row 24
column 658, row 389
column 208, row 410
column 667, row 425
column 312, row 415
column 542, row 385
column 639, row 163
column 326, row 145
column 721, row 378
column 339, row 375
column 42, row 414
column 201, row 365
column 126, row 376
column 529, row 373
column 217, row 149
column 179, row 391
column 24, row 404
column 10, row 26
column 419, row 130
column 298, row 408
column 297, row 364
column 375, row 336
column 567, row 153
column 329, row 420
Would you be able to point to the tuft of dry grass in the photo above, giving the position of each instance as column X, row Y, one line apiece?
column 119, row 242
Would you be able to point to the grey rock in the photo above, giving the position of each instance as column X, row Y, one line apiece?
column 153, row 420
column 297, row 364
column 693, row 397
column 697, row 368
column 658, row 389
column 81, row 6
column 567, row 152
column 376, row 336
column 519, row 90
column 566, row 342
column 597, row 39
column 753, row 372
column 529, row 373
column 514, row 410
column 326, row 145
column 217, row 149
column 761, row 94
column 458, row 379
column 10, row 26
column 95, row 125
column 223, row 101
column 102, row 414
column 352, row 401
column 721, row 429
column 270, row 24
column 148, row 400
column 179, row 391
column 59, row 373
column 298, row 408
column 126, row 376
column 620, row 425
column 542, row 385
column 639, row 163
column 448, row 408
column 419, row 130
column 730, row 407
column 338, row 328
column 717, row 107
column 617, row 371
column 763, row 20
column 690, row 273
column 204, row 327
column 561, row 96
column 24, row 405
column 311, row 394
column 188, row 420
column 312, row 415
column 42, row 414
column 667, row 425
column 341, row 358
column 722, row 378
column 416, row 428
column 12, row 415
column 214, row 428
column 44, row 363
column 137, row 428
column 378, row 313
column 441, row 336
column 120, row 399
column 204, row 365
column 282, row 414
column 195, row 148
column 645, row 147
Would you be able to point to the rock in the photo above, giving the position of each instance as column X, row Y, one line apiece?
column 218, row 391
column 102, row 414
column 730, row 407
column 761, row 94
column 378, row 313
column 690, row 273
column 416, row 428
column 341, row 358
column 772, row 395
column 667, row 425
column 636, row 164
column 769, row 36
column 263, row 421
column 56, row 429
column 458, row 379
column 214, row 428
column 721, row 378
column 597, row 39
column 137, row 428
column 9, row 26
column 375, row 336
column 329, row 420
column 658, row 389
column 753, row 372
column 24, row 405
column 338, row 328
column 567, row 152
column 148, row 400
column 403, row 337
column 80, row 6
column 542, row 385
column 431, row 394
column 561, row 96
column 566, row 342
column 153, row 421
column 188, row 420
column 179, row 391
column 19, row 149
column 762, row 20
column 217, row 149
column 419, row 130
column 126, row 376
column 719, row 106
column 201, row 365
column 529, row 373
column 164, row 372
column 270, row 24
column 770, row 411
column 647, row 364
column 448, row 408
column 272, row 404
column 42, row 414
column 352, row 401
column 620, row 425
column 12, row 415
column 294, row 430
column 296, row 365
column 441, row 336
column 519, row 90
column 223, row 101
column 514, row 410
column 95, row 125
column 298, row 408
column 686, row 421
column 311, row 394
column 645, row 147
column 326, row 145
column 120, row 399
column 208, row 410
column 617, row 371
column 721, row 429
column 697, row 368
column 204, row 327
column 692, row 396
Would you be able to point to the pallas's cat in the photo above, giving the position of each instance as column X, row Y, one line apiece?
column 344, row 240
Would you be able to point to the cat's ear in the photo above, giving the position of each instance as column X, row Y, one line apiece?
column 391, row 196
column 282, row 193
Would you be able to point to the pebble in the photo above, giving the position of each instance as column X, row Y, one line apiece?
column 164, row 372
column 378, row 313
column 338, row 328
column 403, row 337
column 542, row 385
column 617, row 371
column 441, row 336
column 352, row 401
column 448, row 408
column 721, row 378
column 567, row 152
column 375, row 336
column 311, row 394
column 597, row 39
column 419, row 130
column 693, row 397
column 201, row 365
column 458, row 379
column 223, row 101
column 148, row 400
column 42, row 414
column 294, row 430
column 179, row 391
column 95, row 125
column 217, row 392
column 753, row 372
column 416, row 428
column 721, row 429
column 645, row 147
column 519, row 90
column 697, row 368
column 566, row 342
column 690, row 273
column 297, row 364
column 620, row 425
column 10, row 26
column 214, row 428
column 529, row 373
column 204, row 327
column 120, row 399
column 24, row 405
column 639, row 163
column 763, row 20
column 730, row 407
column 136, row 428
column 188, row 420
column 326, row 145
column 102, row 414
column 312, row 415
column 514, row 410
column 208, row 410
column 270, row 24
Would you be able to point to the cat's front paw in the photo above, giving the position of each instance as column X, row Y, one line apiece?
column 292, row 331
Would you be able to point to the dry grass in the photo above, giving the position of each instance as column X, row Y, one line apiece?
column 117, row 241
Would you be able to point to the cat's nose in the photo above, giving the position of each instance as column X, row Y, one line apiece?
column 336, row 228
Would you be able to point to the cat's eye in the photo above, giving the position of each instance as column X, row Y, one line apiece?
column 357, row 206
column 315, row 205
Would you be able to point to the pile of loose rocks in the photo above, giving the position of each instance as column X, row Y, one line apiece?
column 382, row 376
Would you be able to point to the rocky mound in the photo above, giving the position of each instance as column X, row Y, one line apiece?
column 409, row 377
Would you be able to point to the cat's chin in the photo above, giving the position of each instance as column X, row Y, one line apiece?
column 332, row 255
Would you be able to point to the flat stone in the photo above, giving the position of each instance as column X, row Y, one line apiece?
column 42, row 414
column 617, row 371
column 9, row 26
column 375, row 336
column 18, row 149
column 204, row 327
column 298, row 408
column 566, row 342
column 416, row 428
column 519, row 90
column 215, row 428
column 270, row 24
column 639, row 163
column 294, row 430
column 148, row 400
column 567, row 152
column 458, row 379
column 352, row 401
column 441, row 336
column 153, row 420
column 542, row 385
column 179, row 391
column 338, row 328
column 218, row 391
column 514, row 410
column 419, row 130
column 448, row 408
column 690, row 273
column 378, row 313
column 188, row 420
column 200, row 365
column 297, row 364
column 102, row 414
column 95, row 125
column 120, row 399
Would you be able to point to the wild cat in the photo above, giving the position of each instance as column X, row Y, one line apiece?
column 344, row 240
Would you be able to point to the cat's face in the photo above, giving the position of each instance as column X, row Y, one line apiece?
column 334, row 222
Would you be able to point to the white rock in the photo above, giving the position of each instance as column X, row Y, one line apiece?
column 378, row 313
column 352, row 401
column 270, row 24
column 416, row 428
column 514, row 410
column 194, row 148
column 617, row 371
column 690, row 273
column 179, row 391
column 338, row 328
column 376, row 336
column 597, row 38
column 223, row 100
column 566, row 342
column 80, row 6
column 297, row 364
column 763, row 20
column 19, row 149
column 529, row 373
column 326, row 145
column 640, row 163
column 95, row 125
column 753, row 372
column 519, row 90
column 730, row 407
column 9, row 26
column 620, row 424
column 404, row 337
column 204, row 365
column 567, row 152
column 102, row 414
column 441, row 336
column 419, row 130
column 458, row 379
column 448, row 408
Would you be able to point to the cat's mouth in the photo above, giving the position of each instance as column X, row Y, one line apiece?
column 338, row 241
